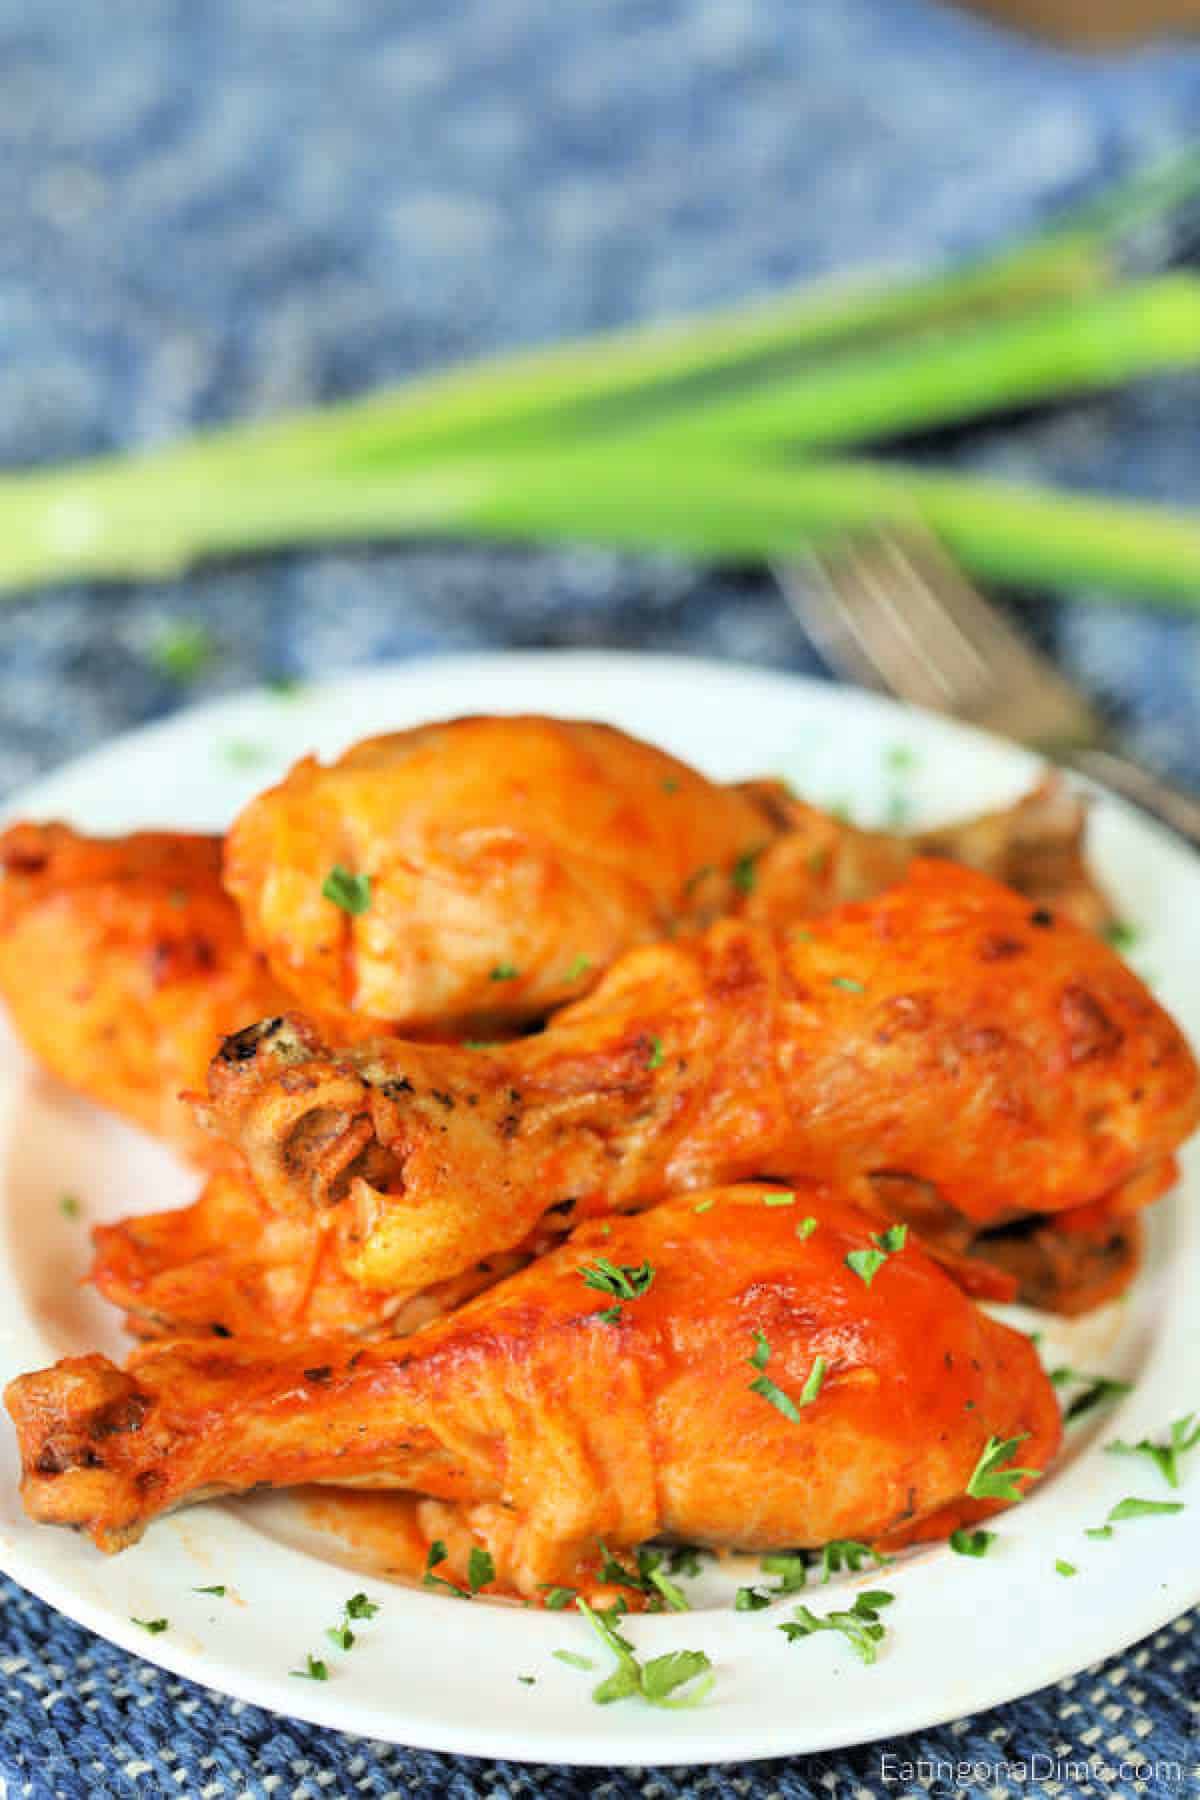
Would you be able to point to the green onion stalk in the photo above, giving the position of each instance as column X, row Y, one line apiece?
column 685, row 436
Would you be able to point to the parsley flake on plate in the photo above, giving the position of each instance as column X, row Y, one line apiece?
column 658, row 1680
column 153, row 1626
column 994, row 1476
column 218, row 1589
column 314, row 1669
column 1133, row 1508
column 1065, row 1568
column 1096, row 1390
column 971, row 1543
column 1183, row 1435
column 860, row 1625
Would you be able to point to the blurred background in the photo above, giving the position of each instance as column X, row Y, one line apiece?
column 217, row 210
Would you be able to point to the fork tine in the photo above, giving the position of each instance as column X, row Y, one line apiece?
column 896, row 605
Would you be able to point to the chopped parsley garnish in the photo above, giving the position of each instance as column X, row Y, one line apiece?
column 848, row 1553
column 182, row 650
column 578, row 968
column 573, row 1660
column 649, row 1577
column 351, row 892
column 437, row 1556
column 503, row 971
column 241, row 753
column 1184, row 1436
column 1099, row 1531
column 744, row 874
column 655, row 1057
column 153, row 1626
column 848, row 983
column 1132, row 1508
column 814, row 1381
column 866, row 1264
column 527, row 1680
column 341, row 1635
column 359, row 1607
column 626, row 1281
column 860, row 1626
column 762, row 1384
column 792, row 1568
column 1097, row 1390
column 68, row 1206
column 1121, row 934
column 313, row 1670
column 218, row 1590
column 751, row 1599
column 1065, row 1568
column 971, row 1543
column 656, row 1680
column 480, row 1569
column 703, row 1206
column 994, row 1477
column 557, row 1598
column 806, row 1227
column 780, row 1199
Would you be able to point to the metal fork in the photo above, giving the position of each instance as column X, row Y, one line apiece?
column 894, row 612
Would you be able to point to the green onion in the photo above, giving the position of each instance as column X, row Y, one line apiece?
column 569, row 442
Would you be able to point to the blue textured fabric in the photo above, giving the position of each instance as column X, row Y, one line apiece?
column 218, row 207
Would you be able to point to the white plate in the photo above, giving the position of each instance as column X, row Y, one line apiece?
column 963, row 1634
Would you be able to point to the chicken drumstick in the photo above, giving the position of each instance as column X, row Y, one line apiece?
column 738, row 1381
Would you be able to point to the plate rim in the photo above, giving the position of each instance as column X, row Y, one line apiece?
column 707, row 1743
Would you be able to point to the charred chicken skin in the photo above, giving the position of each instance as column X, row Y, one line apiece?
column 123, row 963
column 549, row 1418
column 952, row 1055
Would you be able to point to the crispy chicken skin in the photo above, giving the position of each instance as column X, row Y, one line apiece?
column 122, row 964
column 227, row 1266
column 966, row 1059
column 510, row 859
column 550, row 1427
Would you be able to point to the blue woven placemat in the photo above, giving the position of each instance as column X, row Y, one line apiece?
column 213, row 207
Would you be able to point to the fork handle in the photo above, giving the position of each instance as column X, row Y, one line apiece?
column 1170, row 805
